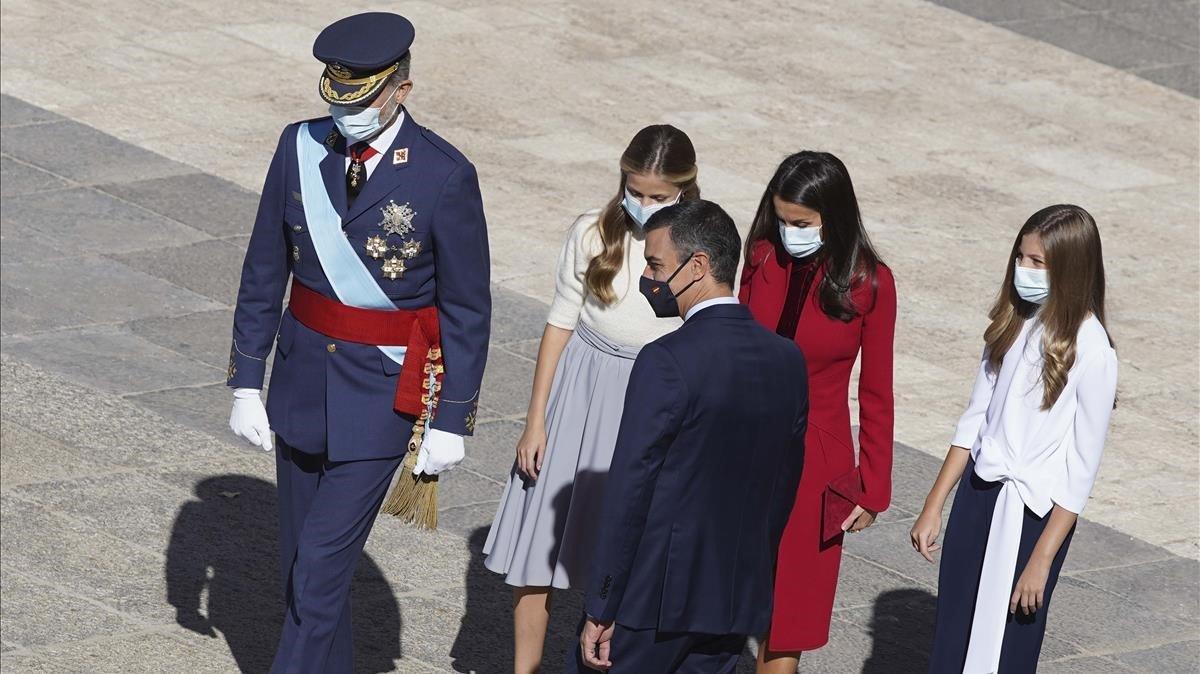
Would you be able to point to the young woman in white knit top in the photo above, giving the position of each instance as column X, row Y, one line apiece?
column 598, row 322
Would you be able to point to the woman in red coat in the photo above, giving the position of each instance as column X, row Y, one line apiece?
column 812, row 276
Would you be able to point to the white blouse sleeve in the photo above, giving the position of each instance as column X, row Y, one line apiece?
column 1095, row 394
column 970, row 424
column 569, row 289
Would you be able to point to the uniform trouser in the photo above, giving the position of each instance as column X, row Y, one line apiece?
column 639, row 651
column 326, row 510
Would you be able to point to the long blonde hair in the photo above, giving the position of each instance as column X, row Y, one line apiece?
column 660, row 150
column 1075, row 266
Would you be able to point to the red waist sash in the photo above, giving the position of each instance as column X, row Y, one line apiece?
column 416, row 329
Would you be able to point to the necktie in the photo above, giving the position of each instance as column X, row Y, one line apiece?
column 356, row 175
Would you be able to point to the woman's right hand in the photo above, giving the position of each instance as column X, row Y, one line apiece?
column 531, row 448
column 925, row 532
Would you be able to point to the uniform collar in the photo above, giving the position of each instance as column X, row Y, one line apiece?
column 399, row 151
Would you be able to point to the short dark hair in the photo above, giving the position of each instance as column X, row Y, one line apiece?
column 702, row 226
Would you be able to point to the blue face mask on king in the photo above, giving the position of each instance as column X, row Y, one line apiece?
column 359, row 124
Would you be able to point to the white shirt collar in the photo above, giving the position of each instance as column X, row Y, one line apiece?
column 729, row 299
column 383, row 141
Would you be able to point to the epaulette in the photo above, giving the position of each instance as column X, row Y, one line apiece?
column 444, row 146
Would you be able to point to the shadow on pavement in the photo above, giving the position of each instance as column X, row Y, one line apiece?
column 901, row 632
column 225, row 541
column 485, row 636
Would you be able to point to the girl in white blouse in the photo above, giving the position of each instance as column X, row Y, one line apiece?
column 541, row 535
column 1026, row 451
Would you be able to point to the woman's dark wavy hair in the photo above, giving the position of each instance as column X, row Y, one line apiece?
column 820, row 181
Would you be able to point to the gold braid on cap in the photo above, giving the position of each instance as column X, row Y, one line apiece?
column 367, row 84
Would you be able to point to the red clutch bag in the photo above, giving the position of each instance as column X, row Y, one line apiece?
column 841, row 496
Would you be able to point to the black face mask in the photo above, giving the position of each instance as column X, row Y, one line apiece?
column 659, row 295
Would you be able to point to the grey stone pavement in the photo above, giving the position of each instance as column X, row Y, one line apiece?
column 133, row 525
column 137, row 536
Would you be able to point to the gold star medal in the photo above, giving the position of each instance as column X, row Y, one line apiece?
column 393, row 268
column 376, row 247
column 397, row 219
column 410, row 249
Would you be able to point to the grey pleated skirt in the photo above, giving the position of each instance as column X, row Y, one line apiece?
column 543, row 530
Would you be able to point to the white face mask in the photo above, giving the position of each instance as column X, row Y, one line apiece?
column 358, row 124
column 1033, row 285
column 800, row 241
column 640, row 213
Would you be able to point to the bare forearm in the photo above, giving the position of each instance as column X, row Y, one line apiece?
column 1061, row 521
column 948, row 476
column 554, row 340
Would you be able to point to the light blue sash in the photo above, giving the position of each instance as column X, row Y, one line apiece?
column 352, row 282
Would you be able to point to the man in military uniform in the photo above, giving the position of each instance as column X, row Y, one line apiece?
column 379, row 224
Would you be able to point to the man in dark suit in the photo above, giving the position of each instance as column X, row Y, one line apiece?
column 706, row 466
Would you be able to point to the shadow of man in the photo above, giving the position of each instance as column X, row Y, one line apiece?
column 901, row 632
column 484, row 640
column 226, row 542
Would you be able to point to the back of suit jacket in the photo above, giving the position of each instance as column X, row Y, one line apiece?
column 703, row 478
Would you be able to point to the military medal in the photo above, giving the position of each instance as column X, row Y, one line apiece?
column 397, row 219
column 410, row 249
column 376, row 247
column 356, row 174
column 393, row 268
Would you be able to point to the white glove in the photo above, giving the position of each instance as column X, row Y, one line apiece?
column 248, row 420
column 440, row 451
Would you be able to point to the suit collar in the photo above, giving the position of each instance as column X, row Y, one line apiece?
column 715, row 301
column 720, row 311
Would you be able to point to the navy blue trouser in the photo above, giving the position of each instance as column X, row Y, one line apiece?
column 642, row 651
column 958, row 581
column 326, row 510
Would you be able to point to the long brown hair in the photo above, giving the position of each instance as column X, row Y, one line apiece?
column 1075, row 267
column 820, row 181
column 660, row 150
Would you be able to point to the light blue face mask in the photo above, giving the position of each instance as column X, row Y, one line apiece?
column 1033, row 285
column 358, row 124
column 640, row 213
column 800, row 241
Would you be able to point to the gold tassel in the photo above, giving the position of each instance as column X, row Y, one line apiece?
column 414, row 497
